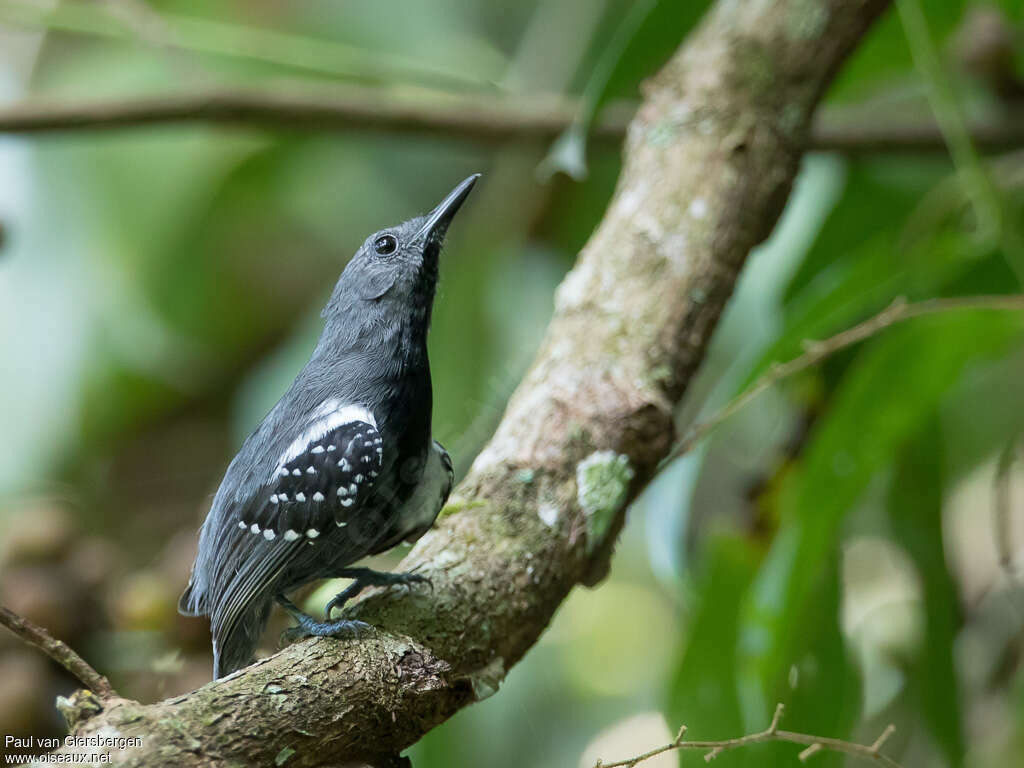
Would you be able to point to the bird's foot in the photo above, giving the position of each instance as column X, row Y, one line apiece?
column 310, row 627
column 364, row 578
column 307, row 626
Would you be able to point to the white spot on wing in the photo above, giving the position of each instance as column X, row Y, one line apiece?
column 300, row 496
column 291, row 535
column 317, row 449
column 312, row 533
column 269, row 535
column 331, row 414
column 254, row 528
column 318, row 496
column 242, row 525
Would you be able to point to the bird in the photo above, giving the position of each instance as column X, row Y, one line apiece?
column 344, row 465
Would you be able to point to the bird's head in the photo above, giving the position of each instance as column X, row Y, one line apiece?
column 394, row 273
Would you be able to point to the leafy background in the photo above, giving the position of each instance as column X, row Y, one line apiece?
column 835, row 546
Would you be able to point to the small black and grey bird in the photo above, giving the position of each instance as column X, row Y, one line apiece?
column 344, row 466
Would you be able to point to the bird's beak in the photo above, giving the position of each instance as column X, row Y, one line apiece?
column 437, row 222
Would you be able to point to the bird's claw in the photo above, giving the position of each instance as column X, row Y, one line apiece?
column 312, row 628
column 376, row 580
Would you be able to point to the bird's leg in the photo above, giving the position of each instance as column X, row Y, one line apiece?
column 307, row 626
column 364, row 578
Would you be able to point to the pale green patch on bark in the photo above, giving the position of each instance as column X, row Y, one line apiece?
column 602, row 486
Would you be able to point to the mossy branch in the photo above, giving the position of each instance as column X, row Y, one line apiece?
column 708, row 165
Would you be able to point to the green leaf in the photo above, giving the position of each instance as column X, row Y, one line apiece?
column 877, row 198
column 890, row 390
column 309, row 55
column 703, row 689
column 641, row 41
column 915, row 513
column 821, row 690
column 883, row 58
column 859, row 262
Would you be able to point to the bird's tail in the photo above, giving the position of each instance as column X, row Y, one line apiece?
column 235, row 637
column 191, row 602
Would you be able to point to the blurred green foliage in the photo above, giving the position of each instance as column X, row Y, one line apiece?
column 160, row 287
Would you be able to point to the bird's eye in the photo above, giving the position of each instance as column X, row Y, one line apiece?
column 385, row 244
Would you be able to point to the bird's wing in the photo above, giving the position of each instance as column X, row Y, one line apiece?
column 320, row 481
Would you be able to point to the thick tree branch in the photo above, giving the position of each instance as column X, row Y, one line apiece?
column 709, row 162
column 480, row 118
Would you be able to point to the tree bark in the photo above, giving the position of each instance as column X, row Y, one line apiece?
column 709, row 162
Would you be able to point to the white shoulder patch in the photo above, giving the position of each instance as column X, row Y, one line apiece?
column 329, row 415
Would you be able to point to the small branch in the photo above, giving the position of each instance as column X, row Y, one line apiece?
column 771, row 733
column 342, row 109
column 485, row 118
column 57, row 650
column 816, row 351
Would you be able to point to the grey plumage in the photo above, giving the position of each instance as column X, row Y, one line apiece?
column 344, row 465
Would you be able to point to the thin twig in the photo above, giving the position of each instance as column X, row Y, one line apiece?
column 57, row 650
column 480, row 117
column 816, row 351
column 771, row 733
